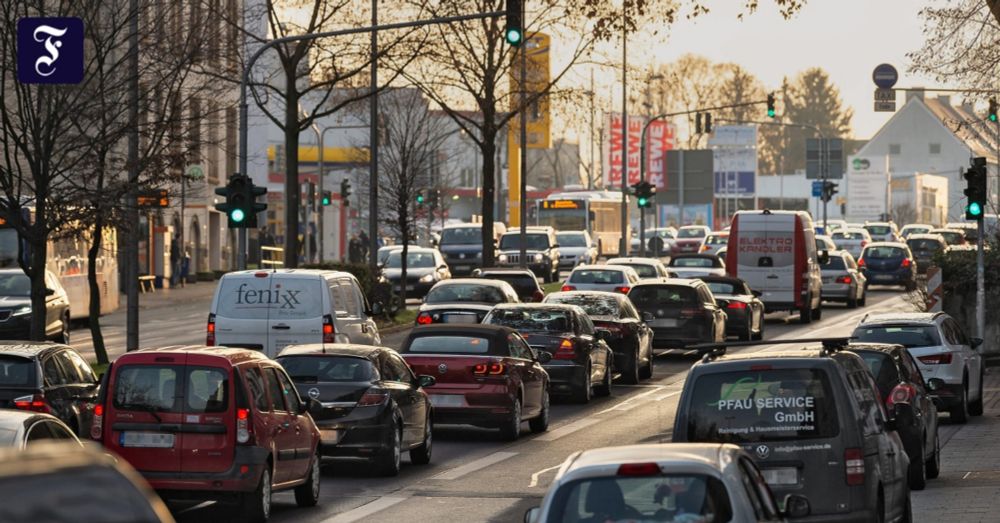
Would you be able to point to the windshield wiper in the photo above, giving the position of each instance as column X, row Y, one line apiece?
column 305, row 378
column 145, row 407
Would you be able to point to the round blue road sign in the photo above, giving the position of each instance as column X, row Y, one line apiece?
column 885, row 76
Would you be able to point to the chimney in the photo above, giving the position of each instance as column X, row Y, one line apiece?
column 944, row 100
column 915, row 93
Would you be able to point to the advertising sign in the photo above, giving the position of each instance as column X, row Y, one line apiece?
column 660, row 138
column 734, row 153
column 866, row 186
column 537, row 77
column 613, row 155
column 50, row 50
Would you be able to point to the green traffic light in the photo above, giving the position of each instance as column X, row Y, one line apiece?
column 643, row 202
column 513, row 36
column 975, row 209
column 993, row 117
column 770, row 113
column 237, row 215
column 326, row 201
column 420, row 198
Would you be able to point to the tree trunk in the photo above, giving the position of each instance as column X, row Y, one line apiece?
column 94, row 312
column 489, row 195
column 38, row 242
column 291, row 175
column 403, row 223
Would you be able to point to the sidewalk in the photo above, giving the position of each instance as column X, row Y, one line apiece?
column 968, row 489
column 200, row 291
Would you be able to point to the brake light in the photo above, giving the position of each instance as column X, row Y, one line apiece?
column 329, row 333
column 705, row 248
column 242, row 425
column 424, row 319
column 623, row 290
column 210, row 331
column 492, row 369
column 538, row 296
column 97, row 425
column 638, row 469
column 260, row 275
column 905, row 263
column 566, row 351
column 844, row 279
column 854, row 466
column 373, row 396
column 568, row 288
column 900, row 394
column 34, row 403
column 736, row 305
column 936, row 359
column 861, row 262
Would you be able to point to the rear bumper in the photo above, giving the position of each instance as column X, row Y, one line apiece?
column 679, row 337
column 836, row 291
column 888, row 277
column 736, row 322
column 209, row 484
column 487, row 407
column 565, row 378
column 359, row 438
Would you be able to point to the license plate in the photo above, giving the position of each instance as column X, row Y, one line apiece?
column 447, row 400
column 828, row 279
column 462, row 267
column 460, row 318
column 883, row 277
column 781, row 476
column 408, row 287
column 330, row 435
column 669, row 322
column 156, row 440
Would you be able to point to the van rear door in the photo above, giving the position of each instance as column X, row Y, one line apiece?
column 297, row 304
column 241, row 306
column 209, row 417
column 782, row 272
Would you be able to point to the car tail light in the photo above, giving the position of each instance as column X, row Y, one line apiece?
column 900, row 394
column 905, row 263
column 242, row 425
column 566, row 350
column 424, row 319
column 538, row 296
column 844, row 279
column 854, row 466
column 329, row 333
column 736, row 305
column 705, row 248
column 623, row 290
column 936, row 359
column 97, row 425
column 210, row 331
column 34, row 403
column 638, row 469
column 864, row 242
column 568, row 288
column 373, row 396
column 493, row 369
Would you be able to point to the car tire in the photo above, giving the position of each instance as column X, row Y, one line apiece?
column 422, row 455
column 852, row 300
column 747, row 334
column 511, row 428
column 805, row 313
column 604, row 389
column 64, row 332
column 934, row 462
column 960, row 413
column 760, row 330
column 540, row 423
column 864, row 297
column 307, row 494
column 910, row 286
column 582, row 393
column 388, row 462
column 256, row 505
column 976, row 406
column 917, row 473
column 647, row 369
column 907, row 510
column 880, row 507
column 817, row 313
column 630, row 374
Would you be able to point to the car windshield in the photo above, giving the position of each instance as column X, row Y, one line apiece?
column 680, row 261
column 909, row 336
column 696, row 232
column 17, row 372
column 883, row 252
column 15, row 284
column 878, row 230
column 834, row 263
column 448, row 344
column 952, row 237
column 326, row 369
column 171, row 388
column 522, row 283
column 724, row 287
column 848, row 235
column 465, row 293
column 414, row 260
column 462, row 236
column 762, row 405
column 596, row 276
column 571, row 239
column 642, row 269
column 924, row 244
column 676, row 498
column 383, row 254
column 532, row 242
column 531, row 320
column 717, row 239
column 592, row 304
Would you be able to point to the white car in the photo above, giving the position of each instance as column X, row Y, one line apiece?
column 680, row 482
column 575, row 248
column 851, row 240
column 883, row 231
column 825, row 243
column 915, row 228
column 609, row 278
column 667, row 235
column 713, row 242
column 644, row 267
column 696, row 265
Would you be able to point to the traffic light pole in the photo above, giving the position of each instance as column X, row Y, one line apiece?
column 523, row 152
column 980, row 283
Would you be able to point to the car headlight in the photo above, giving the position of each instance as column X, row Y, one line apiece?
column 502, row 258
column 479, row 255
column 427, row 278
column 22, row 310
column 538, row 257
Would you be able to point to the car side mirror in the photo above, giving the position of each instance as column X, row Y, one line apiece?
column 51, row 292
column 442, row 267
column 935, row 384
column 602, row 334
column 531, row 515
column 555, row 245
column 796, row 506
column 647, row 317
column 425, row 380
column 757, row 294
column 377, row 309
column 542, row 356
column 311, row 406
column 975, row 342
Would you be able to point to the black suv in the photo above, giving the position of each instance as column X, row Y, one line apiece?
column 541, row 248
column 50, row 378
column 15, row 307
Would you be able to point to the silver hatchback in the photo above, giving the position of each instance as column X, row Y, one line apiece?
column 852, row 240
column 842, row 281
column 609, row 278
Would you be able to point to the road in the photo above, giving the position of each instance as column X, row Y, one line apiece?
column 473, row 473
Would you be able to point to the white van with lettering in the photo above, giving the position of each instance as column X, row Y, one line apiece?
column 267, row 310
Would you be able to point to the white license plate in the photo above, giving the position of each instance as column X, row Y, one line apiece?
column 156, row 440
column 447, row 400
column 882, row 277
column 330, row 435
column 781, row 476
column 828, row 279
column 668, row 322
column 460, row 318
column 462, row 267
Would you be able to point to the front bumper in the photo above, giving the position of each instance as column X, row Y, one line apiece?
column 736, row 322
column 208, row 485
column 413, row 289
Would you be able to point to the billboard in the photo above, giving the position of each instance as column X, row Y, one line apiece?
column 537, row 78
column 867, row 179
column 734, row 152
column 660, row 137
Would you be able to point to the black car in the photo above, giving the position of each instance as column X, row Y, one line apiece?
column 373, row 405
column 540, row 247
column 630, row 338
column 51, row 378
column 424, row 268
column 680, row 312
column 744, row 310
column 581, row 360
column 523, row 281
column 15, row 307
column 464, row 300
column 909, row 401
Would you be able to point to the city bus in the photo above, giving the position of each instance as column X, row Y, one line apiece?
column 599, row 212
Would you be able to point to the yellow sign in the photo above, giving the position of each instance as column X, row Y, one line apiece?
column 537, row 78
column 560, row 204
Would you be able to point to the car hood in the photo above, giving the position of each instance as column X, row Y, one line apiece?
column 457, row 248
column 573, row 250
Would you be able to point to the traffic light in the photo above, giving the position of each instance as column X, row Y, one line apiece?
column 255, row 207
column 975, row 191
column 311, row 196
column 708, row 123
column 993, row 110
column 644, row 192
column 345, row 192
column 421, row 197
column 514, row 33
column 241, row 207
column 327, row 198
column 697, row 123
column 433, row 198
column 770, row 106
column 829, row 189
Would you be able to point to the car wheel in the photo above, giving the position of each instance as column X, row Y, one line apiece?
column 934, row 463
column 760, row 330
column 388, row 462
column 748, row 332
column 307, row 494
column 817, row 313
column 917, row 473
column 852, row 300
column 864, row 297
column 805, row 313
column 630, row 374
column 540, row 423
column 647, row 369
column 907, row 510
column 976, row 406
column 422, row 455
column 604, row 389
column 511, row 428
column 64, row 333
column 880, row 507
column 582, row 393
column 960, row 413
column 256, row 506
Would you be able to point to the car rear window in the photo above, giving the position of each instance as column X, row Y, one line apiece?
column 909, row 336
column 171, row 388
column 923, row 244
column 326, row 369
column 716, row 239
column 465, row 293
column 692, row 262
column 762, row 405
column 447, row 345
column 691, row 233
column 882, row 368
column 681, row 498
column 877, row 229
column 462, row 236
column 271, row 298
column 596, row 276
column 522, row 283
column 722, row 287
column 952, row 237
column 847, row 235
column 642, row 269
column 591, row 303
column 647, row 297
column 834, row 263
column 883, row 252
column 17, row 372
column 531, row 320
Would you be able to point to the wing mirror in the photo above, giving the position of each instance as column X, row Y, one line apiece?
column 531, row 515
column 425, row 380
column 377, row 309
column 602, row 334
column 542, row 356
column 647, row 317
column 975, row 342
column 796, row 506
column 824, row 257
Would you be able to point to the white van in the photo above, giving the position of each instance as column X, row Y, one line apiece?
column 775, row 253
column 266, row 310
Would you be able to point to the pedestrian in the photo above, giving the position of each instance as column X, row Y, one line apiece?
column 354, row 250
column 364, row 241
column 175, row 261
column 185, row 267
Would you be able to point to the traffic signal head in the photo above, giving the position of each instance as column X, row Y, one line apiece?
column 345, row 189
column 708, row 123
column 239, row 200
column 993, row 110
column 697, row 123
column 975, row 190
column 327, row 198
column 771, row 112
column 421, row 198
column 514, row 32
column 644, row 192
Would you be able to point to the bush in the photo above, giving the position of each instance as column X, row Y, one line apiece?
column 958, row 270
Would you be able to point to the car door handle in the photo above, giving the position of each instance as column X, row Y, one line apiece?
column 281, row 327
column 772, row 277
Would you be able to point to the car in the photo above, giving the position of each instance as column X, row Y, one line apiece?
column 629, row 337
column 851, row 240
column 695, row 265
column 665, row 237
column 689, row 238
column 833, row 225
column 15, row 307
column 914, row 228
column 908, row 401
column 924, row 247
column 825, row 243
column 463, row 300
column 210, row 423
column 680, row 312
column 644, row 267
column 373, row 406
column 843, row 280
column 969, row 230
column 575, row 248
column 541, row 248
column 951, row 236
column 610, row 278
column 581, row 362
column 524, row 282
column 382, row 255
column 267, row 310
column 487, row 376
column 462, row 246
column 744, row 310
column 69, row 483
column 424, row 268
column 889, row 263
column 48, row 378
column 713, row 242
column 810, row 416
column 882, row 231
column 689, row 482
column 944, row 354
column 21, row 429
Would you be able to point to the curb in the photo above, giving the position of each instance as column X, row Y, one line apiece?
column 395, row 328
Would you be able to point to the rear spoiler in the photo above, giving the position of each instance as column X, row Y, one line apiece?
column 712, row 350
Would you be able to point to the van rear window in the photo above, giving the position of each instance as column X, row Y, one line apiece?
column 766, row 405
column 271, row 298
column 171, row 388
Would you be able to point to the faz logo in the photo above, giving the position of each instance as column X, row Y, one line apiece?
column 284, row 299
column 50, row 50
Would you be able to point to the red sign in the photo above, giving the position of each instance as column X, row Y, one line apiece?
column 660, row 137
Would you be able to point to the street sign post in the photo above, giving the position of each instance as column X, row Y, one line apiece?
column 885, row 95
column 817, row 188
column 885, row 76
column 885, row 107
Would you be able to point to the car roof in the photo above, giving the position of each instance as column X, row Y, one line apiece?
column 472, row 281
column 684, row 282
column 318, row 273
column 638, row 260
column 900, row 317
column 16, row 419
column 924, row 225
column 924, row 236
column 888, row 244
column 705, row 454
column 28, row 349
column 233, row 355
column 809, row 350
column 590, row 267
column 693, row 255
column 616, row 295
column 850, row 229
column 459, row 225
column 545, row 305
column 333, row 349
column 946, row 229
column 504, row 270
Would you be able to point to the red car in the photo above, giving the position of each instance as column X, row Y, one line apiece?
column 486, row 375
column 211, row 423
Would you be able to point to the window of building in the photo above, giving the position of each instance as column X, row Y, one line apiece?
column 935, row 148
column 895, row 149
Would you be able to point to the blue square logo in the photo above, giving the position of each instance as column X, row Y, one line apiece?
column 50, row 50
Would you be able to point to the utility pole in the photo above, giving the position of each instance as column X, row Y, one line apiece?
column 624, row 240
column 132, row 205
column 590, row 176
column 523, row 120
column 373, row 149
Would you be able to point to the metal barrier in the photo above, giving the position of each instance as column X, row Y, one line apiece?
column 272, row 257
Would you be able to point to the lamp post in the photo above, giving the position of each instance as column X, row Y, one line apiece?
column 320, row 137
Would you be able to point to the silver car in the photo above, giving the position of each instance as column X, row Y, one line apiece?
column 842, row 281
column 644, row 267
column 575, row 248
column 713, row 242
column 666, row 236
column 915, row 228
column 883, row 231
column 852, row 240
column 696, row 265
column 609, row 278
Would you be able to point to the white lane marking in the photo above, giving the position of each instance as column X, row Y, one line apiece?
column 624, row 404
column 566, row 429
column 966, row 476
column 473, row 466
column 534, row 477
column 365, row 510
column 665, row 396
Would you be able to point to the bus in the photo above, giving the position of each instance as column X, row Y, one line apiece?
column 599, row 212
column 67, row 259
